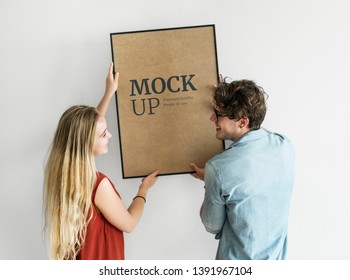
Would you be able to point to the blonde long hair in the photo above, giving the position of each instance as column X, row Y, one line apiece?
column 70, row 176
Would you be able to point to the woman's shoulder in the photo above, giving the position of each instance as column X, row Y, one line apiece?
column 104, row 181
column 100, row 177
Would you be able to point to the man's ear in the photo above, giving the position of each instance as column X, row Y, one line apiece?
column 244, row 122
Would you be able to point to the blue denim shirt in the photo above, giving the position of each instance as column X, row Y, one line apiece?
column 248, row 188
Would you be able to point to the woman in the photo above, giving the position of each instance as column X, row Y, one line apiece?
column 84, row 215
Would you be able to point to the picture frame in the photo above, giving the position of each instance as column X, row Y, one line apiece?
column 164, row 98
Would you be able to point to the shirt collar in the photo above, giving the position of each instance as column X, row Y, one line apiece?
column 250, row 136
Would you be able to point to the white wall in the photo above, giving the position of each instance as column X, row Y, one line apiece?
column 54, row 54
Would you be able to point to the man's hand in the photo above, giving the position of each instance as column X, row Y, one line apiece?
column 199, row 172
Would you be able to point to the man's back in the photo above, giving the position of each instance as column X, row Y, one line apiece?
column 248, row 191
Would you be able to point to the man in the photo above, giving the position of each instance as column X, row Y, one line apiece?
column 248, row 186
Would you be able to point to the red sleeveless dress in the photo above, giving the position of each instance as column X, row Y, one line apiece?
column 103, row 241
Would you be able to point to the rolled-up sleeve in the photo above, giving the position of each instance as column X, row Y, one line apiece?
column 213, row 212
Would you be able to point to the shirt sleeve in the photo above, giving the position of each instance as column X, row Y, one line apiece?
column 213, row 212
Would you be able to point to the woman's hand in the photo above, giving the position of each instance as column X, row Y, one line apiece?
column 111, row 88
column 148, row 182
column 111, row 81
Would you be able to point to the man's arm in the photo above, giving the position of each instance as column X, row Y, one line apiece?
column 213, row 210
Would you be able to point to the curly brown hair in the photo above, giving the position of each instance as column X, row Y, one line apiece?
column 242, row 98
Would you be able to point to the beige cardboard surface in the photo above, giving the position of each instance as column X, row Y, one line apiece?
column 164, row 99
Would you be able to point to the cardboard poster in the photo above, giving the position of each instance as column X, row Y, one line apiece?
column 164, row 99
